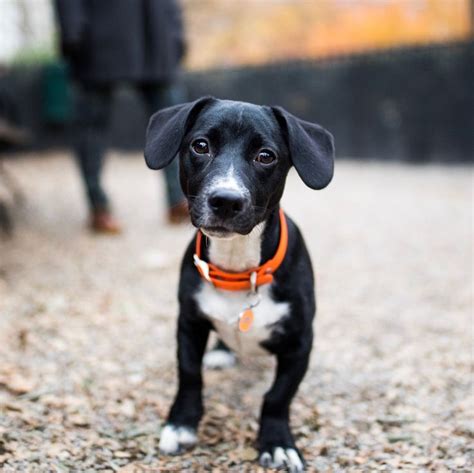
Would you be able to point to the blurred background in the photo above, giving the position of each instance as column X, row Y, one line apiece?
column 87, row 322
column 402, row 69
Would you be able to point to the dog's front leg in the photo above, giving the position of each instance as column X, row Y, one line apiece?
column 180, row 430
column 277, row 447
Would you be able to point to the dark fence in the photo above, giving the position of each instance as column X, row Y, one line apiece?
column 413, row 104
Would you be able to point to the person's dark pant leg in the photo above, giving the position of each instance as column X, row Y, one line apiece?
column 158, row 96
column 92, row 127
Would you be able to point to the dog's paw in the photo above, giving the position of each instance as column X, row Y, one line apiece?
column 219, row 359
column 174, row 439
column 282, row 458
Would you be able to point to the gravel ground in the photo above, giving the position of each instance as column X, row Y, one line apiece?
column 87, row 366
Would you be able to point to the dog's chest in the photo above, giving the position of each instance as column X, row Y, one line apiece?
column 223, row 309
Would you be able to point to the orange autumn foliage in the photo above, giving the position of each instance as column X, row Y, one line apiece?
column 231, row 32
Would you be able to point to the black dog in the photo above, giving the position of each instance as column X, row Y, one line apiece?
column 254, row 282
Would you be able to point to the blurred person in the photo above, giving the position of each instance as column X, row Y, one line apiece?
column 140, row 42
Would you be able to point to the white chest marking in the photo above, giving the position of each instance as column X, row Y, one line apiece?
column 239, row 253
column 222, row 308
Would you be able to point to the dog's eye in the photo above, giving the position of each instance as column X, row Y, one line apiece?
column 265, row 157
column 200, row 146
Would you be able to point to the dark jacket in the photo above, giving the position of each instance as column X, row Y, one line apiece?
column 105, row 41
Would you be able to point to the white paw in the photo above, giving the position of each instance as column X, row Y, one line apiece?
column 173, row 439
column 219, row 359
column 283, row 458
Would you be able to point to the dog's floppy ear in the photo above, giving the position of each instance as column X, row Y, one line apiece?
column 166, row 130
column 311, row 149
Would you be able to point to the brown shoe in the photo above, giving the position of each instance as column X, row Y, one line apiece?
column 179, row 213
column 102, row 221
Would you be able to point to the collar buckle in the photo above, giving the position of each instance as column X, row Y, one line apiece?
column 253, row 282
column 202, row 266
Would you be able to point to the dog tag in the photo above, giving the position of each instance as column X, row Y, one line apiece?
column 246, row 320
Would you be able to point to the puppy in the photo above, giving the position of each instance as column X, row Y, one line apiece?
column 247, row 273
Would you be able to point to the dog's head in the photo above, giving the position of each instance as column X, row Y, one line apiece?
column 234, row 159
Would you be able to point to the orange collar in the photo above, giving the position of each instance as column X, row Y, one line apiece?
column 249, row 279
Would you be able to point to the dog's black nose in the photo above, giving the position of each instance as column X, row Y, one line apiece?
column 226, row 203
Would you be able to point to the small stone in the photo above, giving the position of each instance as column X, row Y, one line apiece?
column 18, row 384
column 392, row 438
column 360, row 460
column 248, row 454
column 122, row 454
column 79, row 420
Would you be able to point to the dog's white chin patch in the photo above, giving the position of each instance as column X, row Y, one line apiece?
column 220, row 235
column 219, row 359
column 288, row 458
column 174, row 439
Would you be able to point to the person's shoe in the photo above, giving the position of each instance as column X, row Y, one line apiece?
column 102, row 221
column 179, row 213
